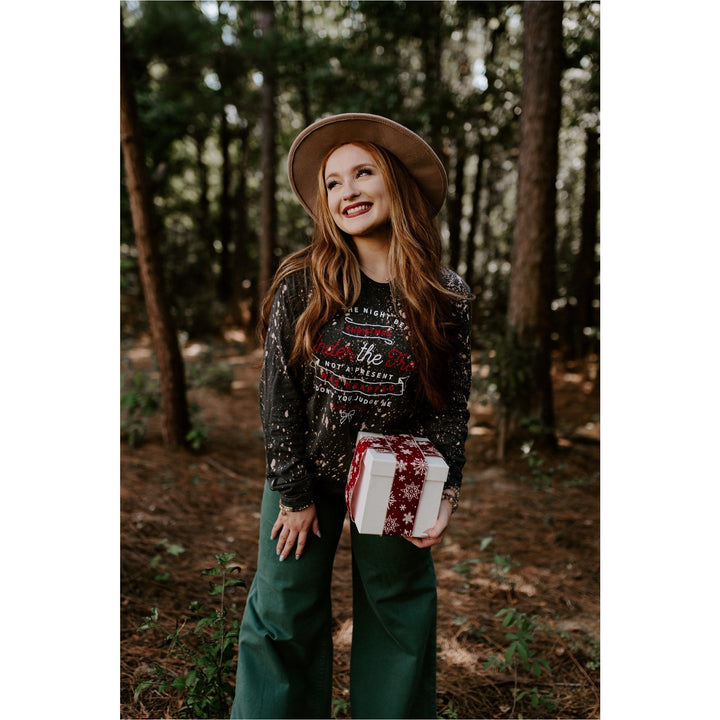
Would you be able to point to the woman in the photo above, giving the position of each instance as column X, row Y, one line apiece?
column 362, row 330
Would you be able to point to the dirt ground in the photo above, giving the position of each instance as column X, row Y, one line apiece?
column 526, row 536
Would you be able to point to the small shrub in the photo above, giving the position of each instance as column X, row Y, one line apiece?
column 139, row 401
column 205, row 644
column 520, row 655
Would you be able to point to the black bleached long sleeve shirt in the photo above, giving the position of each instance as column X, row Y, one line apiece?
column 362, row 377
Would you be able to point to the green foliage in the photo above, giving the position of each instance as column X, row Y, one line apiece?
column 217, row 376
column 205, row 644
column 520, row 655
column 471, row 630
column 340, row 708
column 198, row 434
column 506, row 375
column 501, row 566
column 540, row 474
column 451, row 71
column 450, row 711
column 159, row 560
column 140, row 399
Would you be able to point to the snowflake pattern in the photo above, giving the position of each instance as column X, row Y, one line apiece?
column 391, row 525
column 412, row 491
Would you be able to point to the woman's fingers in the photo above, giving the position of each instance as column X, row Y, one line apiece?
column 286, row 542
column 292, row 531
column 301, row 540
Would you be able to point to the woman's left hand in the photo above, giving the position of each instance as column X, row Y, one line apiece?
column 436, row 533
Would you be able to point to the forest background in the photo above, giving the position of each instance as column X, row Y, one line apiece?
column 86, row 362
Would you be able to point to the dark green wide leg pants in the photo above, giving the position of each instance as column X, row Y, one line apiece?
column 285, row 644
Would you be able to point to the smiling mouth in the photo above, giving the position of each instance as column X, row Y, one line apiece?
column 358, row 209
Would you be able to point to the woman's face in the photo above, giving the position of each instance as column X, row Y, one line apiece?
column 357, row 193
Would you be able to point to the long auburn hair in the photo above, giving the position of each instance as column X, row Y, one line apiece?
column 414, row 264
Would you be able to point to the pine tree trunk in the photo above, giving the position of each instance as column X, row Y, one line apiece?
column 471, row 245
column 455, row 205
column 172, row 374
column 224, row 287
column 585, row 265
column 241, row 258
column 532, row 279
column 266, row 22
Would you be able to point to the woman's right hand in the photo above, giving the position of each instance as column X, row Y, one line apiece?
column 292, row 528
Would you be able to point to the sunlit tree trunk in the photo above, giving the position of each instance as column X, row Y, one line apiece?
column 243, row 268
column 532, row 279
column 172, row 375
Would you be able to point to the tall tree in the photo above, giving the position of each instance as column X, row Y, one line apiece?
column 266, row 25
column 584, row 272
column 176, row 421
column 532, row 279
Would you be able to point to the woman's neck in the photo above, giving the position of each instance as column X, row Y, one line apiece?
column 373, row 258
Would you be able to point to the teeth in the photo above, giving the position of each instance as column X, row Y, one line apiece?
column 358, row 209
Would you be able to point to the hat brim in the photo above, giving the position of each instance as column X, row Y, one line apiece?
column 313, row 144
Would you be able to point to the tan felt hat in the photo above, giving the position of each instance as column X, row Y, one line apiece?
column 315, row 141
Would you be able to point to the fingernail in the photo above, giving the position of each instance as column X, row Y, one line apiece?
column 282, row 557
column 318, row 534
column 277, row 552
column 297, row 557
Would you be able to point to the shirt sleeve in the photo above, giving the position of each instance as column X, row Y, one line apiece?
column 283, row 405
column 447, row 429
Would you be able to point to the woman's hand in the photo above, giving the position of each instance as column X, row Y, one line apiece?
column 292, row 528
column 436, row 533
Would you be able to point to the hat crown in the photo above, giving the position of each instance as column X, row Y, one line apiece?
column 313, row 144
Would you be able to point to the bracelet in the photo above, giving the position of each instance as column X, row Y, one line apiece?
column 452, row 497
column 284, row 509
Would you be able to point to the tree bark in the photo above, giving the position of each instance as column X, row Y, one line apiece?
column 302, row 70
column 266, row 23
column 471, row 244
column 174, row 406
column 224, row 287
column 583, row 287
column 455, row 204
column 242, row 267
column 532, row 279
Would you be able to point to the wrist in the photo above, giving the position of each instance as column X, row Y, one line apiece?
column 452, row 496
column 285, row 509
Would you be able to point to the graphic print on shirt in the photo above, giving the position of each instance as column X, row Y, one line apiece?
column 361, row 359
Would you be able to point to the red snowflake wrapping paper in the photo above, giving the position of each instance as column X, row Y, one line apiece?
column 395, row 484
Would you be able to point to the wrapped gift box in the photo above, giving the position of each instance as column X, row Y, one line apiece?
column 395, row 484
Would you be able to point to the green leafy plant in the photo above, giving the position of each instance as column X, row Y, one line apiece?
column 158, row 561
column 506, row 363
column 450, row 711
column 540, row 474
column 340, row 708
column 218, row 376
column 520, row 655
column 205, row 643
column 501, row 566
column 140, row 399
column 198, row 434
